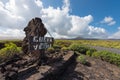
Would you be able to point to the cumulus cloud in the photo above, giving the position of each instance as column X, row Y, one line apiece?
column 11, row 34
column 97, row 32
column 118, row 28
column 108, row 20
column 115, row 35
column 61, row 24
column 16, row 14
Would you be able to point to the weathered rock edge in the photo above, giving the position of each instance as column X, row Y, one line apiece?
column 58, row 70
column 46, row 72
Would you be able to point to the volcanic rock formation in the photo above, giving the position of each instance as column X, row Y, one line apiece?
column 35, row 27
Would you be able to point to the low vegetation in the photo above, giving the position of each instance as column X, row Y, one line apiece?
column 76, row 45
column 64, row 48
column 51, row 50
column 8, row 51
column 90, row 51
column 110, row 57
column 82, row 59
column 102, row 43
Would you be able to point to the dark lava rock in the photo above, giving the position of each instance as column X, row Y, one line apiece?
column 35, row 27
column 13, row 75
column 2, row 45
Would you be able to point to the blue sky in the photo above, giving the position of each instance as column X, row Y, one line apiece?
column 97, row 8
column 63, row 18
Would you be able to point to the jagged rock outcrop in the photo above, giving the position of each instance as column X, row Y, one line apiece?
column 35, row 27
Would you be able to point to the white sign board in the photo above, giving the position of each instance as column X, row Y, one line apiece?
column 38, row 43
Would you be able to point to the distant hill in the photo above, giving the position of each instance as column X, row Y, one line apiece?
column 82, row 38
column 78, row 38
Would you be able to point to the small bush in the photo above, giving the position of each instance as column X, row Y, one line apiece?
column 64, row 49
column 80, row 48
column 96, row 54
column 9, row 50
column 56, row 46
column 51, row 50
column 108, row 56
column 74, row 47
column 90, row 52
column 82, row 59
column 63, row 43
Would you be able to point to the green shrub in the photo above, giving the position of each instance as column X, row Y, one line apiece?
column 51, row 50
column 65, row 48
column 96, row 54
column 101, row 54
column 114, row 59
column 9, row 50
column 56, row 46
column 74, row 47
column 82, row 59
column 90, row 52
column 108, row 56
column 63, row 43
column 80, row 48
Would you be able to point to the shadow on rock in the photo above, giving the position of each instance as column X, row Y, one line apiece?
column 30, row 71
column 71, row 74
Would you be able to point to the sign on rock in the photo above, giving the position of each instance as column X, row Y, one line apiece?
column 38, row 43
column 35, row 32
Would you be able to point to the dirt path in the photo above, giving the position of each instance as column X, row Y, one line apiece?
column 107, row 49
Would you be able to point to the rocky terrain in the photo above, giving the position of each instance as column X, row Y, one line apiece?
column 96, row 70
column 27, row 68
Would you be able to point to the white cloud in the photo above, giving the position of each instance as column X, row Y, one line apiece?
column 12, row 34
column 16, row 14
column 118, row 28
column 66, row 5
column 108, row 20
column 97, row 32
column 64, row 25
column 116, row 35
column 80, row 25
column 112, row 23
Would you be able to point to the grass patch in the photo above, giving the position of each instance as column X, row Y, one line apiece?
column 113, row 58
column 79, row 48
column 107, row 56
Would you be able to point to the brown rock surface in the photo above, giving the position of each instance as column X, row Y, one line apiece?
column 35, row 27
column 98, row 70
